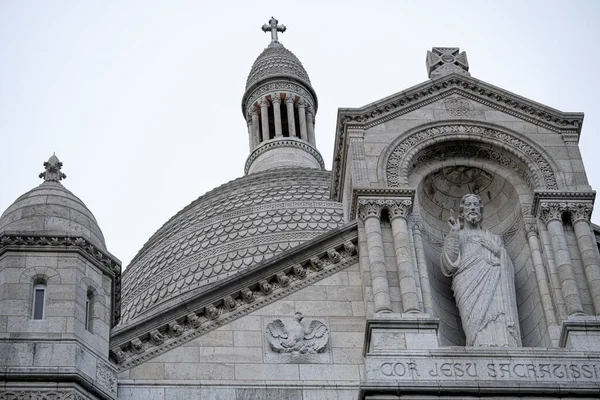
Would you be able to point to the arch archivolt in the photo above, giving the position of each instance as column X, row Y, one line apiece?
column 436, row 143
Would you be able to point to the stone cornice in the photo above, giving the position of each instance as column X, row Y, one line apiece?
column 560, row 197
column 434, row 90
column 107, row 263
column 380, row 194
column 229, row 299
column 283, row 142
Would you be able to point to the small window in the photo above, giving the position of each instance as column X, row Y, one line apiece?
column 88, row 311
column 39, row 300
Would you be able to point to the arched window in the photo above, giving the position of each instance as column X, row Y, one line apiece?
column 89, row 308
column 39, row 300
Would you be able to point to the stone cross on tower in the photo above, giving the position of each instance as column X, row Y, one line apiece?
column 274, row 28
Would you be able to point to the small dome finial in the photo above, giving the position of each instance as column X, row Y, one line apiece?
column 273, row 28
column 52, row 172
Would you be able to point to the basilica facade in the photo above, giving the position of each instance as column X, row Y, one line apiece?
column 448, row 253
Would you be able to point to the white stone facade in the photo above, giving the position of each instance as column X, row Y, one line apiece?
column 356, row 251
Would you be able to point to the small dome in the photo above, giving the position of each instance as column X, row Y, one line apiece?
column 50, row 209
column 276, row 61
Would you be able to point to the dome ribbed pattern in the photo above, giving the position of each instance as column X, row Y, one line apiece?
column 228, row 230
column 276, row 60
column 51, row 209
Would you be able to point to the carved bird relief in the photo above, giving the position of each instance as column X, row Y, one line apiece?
column 294, row 338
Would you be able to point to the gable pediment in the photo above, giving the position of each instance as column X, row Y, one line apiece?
column 450, row 89
column 229, row 299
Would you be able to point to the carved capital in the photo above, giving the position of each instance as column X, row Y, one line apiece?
column 580, row 211
column 301, row 103
column 399, row 208
column 552, row 211
column 370, row 208
column 289, row 99
column 263, row 102
column 531, row 227
column 275, row 98
column 253, row 111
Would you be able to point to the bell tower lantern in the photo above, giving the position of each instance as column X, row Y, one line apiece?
column 279, row 105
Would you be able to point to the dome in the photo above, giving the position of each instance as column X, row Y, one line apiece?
column 276, row 61
column 50, row 209
column 228, row 230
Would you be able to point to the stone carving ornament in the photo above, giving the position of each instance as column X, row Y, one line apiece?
column 295, row 338
column 482, row 278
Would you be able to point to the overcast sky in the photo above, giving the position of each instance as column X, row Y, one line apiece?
column 141, row 99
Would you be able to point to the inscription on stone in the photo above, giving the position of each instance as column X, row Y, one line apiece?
column 509, row 370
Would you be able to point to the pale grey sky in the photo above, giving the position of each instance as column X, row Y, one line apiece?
column 141, row 99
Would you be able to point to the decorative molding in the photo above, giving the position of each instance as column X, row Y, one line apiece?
column 432, row 91
column 106, row 378
column 378, row 193
column 286, row 142
column 107, row 264
column 540, row 196
column 280, row 86
column 41, row 395
column 248, row 294
column 399, row 162
column 581, row 211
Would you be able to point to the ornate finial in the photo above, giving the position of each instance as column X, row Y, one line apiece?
column 446, row 60
column 273, row 28
column 52, row 172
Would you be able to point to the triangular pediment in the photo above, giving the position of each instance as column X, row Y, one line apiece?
column 453, row 86
column 232, row 298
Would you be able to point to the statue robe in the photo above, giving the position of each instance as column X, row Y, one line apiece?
column 484, row 288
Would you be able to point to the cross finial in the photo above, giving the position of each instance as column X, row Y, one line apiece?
column 273, row 28
column 52, row 172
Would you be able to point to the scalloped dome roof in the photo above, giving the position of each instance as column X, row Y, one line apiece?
column 51, row 209
column 226, row 231
column 276, row 61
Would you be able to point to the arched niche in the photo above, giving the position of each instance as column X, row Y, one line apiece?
column 441, row 174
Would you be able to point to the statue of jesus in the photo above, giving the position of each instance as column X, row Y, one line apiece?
column 482, row 278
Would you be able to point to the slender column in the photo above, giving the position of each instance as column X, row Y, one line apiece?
column 255, row 126
column 422, row 266
column 540, row 272
column 370, row 213
column 399, row 211
column 551, row 214
column 276, row 101
column 580, row 216
column 310, row 125
column 557, row 295
column 302, row 119
column 264, row 115
column 289, row 102
column 251, row 134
